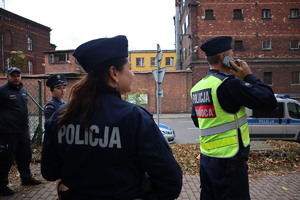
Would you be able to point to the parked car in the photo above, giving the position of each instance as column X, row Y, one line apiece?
column 282, row 123
column 167, row 132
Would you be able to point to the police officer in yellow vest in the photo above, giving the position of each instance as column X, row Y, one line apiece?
column 219, row 100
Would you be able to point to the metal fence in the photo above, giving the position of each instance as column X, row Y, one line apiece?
column 35, row 110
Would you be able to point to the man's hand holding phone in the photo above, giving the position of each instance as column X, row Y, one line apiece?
column 238, row 67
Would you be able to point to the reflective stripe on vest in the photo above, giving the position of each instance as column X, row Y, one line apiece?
column 223, row 128
column 223, row 142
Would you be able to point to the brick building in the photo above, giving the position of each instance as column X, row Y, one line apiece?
column 266, row 34
column 21, row 34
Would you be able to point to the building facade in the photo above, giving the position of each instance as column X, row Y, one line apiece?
column 21, row 34
column 266, row 34
column 144, row 60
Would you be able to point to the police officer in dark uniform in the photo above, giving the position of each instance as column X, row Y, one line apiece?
column 57, row 85
column 219, row 110
column 14, row 136
column 101, row 146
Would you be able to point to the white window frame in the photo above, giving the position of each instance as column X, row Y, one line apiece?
column 29, row 43
column 140, row 62
column 169, row 61
column 30, row 67
column 294, row 13
column 295, row 77
column 266, row 45
column 266, row 14
column 296, row 43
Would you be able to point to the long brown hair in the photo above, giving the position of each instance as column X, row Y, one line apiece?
column 83, row 94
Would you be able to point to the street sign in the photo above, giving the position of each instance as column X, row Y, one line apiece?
column 159, row 74
column 158, row 55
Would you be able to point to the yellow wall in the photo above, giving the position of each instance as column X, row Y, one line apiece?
column 147, row 54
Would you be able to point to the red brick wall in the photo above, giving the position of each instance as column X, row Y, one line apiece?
column 176, row 86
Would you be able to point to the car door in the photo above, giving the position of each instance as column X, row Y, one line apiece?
column 268, row 124
column 293, row 123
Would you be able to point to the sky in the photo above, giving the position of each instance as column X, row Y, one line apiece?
column 146, row 23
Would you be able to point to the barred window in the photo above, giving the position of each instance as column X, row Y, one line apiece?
column 238, row 45
column 209, row 15
column 237, row 14
column 266, row 45
column 266, row 14
column 268, row 78
column 296, row 77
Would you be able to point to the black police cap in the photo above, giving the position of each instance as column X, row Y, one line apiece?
column 56, row 80
column 13, row 69
column 216, row 45
column 92, row 53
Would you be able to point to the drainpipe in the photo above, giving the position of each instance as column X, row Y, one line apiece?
column 177, row 39
column 2, row 48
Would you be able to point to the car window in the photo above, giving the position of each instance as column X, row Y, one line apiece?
column 294, row 110
column 276, row 113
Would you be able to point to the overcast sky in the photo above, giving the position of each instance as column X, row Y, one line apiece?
column 146, row 23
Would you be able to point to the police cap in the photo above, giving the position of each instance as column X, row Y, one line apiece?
column 13, row 69
column 92, row 53
column 216, row 45
column 56, row 80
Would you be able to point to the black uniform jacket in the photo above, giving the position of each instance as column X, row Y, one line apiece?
column 13, row 109
column 111, row 162
column 234, row 93
column 51, row 106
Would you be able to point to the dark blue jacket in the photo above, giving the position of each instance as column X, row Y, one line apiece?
column 51, row 106
column 13, row 109
column 234, row 93
column 111, row 162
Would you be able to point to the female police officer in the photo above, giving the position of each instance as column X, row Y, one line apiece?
column 102, row 146
column 57, row 85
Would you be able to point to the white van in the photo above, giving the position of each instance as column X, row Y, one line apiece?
column 282, row 123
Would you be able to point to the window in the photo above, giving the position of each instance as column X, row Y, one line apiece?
column 268, row 78
column 296, row 77
column 59, row 57
column 266, row 14
column 238, row 45
column 294, row 13
column 169, row 61
column 266, row 45
column 237, row 14
column 209, row 15
column 8, row 38
column 183, row 28
column 294, row 110
column 139, row 62
column 29, row 43
column 153, row 61
column 30, row 67
column 294, row 44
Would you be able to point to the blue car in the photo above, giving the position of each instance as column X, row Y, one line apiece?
column 167, row 132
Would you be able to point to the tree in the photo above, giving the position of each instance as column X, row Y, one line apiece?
column 17, row 59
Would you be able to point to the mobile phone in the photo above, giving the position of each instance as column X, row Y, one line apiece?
column 227, row 63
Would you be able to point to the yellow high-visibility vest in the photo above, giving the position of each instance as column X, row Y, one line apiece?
column 218, row 129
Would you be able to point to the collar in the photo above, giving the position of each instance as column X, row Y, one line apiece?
column 108, row 89
column 214, row 71
column 14, row 87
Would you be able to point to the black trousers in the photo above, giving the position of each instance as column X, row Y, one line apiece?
column 15, row 147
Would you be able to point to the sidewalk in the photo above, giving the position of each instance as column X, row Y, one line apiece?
column 285, row 187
